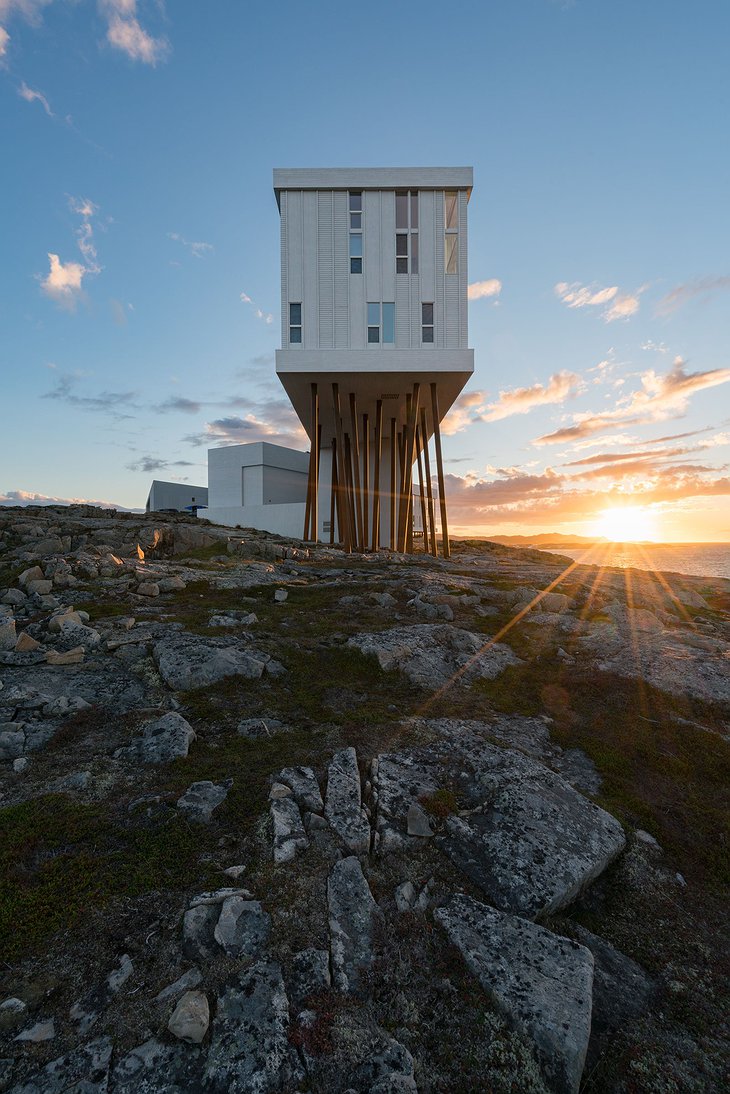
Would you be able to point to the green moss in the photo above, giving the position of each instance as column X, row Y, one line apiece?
column 441, row 804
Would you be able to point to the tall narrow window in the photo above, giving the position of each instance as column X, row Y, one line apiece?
column 389, row 323
column 373, row 323
column 406, row 231
column 295, row 324
column 451, row 235
column 427, row 323
column 355, row 206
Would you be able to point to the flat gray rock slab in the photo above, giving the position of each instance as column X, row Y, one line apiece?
column 156, row 1068
column 185, row 664
column 353, row 915
column 249, row 1050
column 83, row 1071
column 526, row 837
column 343, row 804
column 305, row 787
column 162, row 740
column 433, row 654
column 243, row 927
column 289, row 834
column 541, row 983
column 201, row 799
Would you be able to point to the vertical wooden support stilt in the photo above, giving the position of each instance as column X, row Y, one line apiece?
column 342, row 507
column 333, row 491
column 440, row 470
column 401, row 467
column 357, row 493
column 392, row 497
column 422, row 496
column 316, row 440
column 405, row 523
column 375, row 542
column 365, row 480
column 429, row 490
column 350, row 492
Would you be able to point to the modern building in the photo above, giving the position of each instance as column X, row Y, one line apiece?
column 374, row 352
column 176, row 497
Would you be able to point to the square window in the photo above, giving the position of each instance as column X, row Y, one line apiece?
column 295, row 314
column 295, row 335
column 401, row 265
column 373, row 334
column 356, row 220
column 356, row 265
column 355, row 201
column 427, row 335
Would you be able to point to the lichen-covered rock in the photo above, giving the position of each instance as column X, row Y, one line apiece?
column 201, row 799
column 186, row 663
column 304, row 786
column 162, row 740
column 85, row 1070
column 243, row 927
column 343, row 807
column 289, row 834
column 541, row 983
column 353, row 915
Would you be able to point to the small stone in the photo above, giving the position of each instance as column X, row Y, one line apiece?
column 25, row 643
column 118, row 977
column 186, row 982
column 15, row 597
column 280, row 595
column 235, row 872
column 20, row 764
column 191, row 1017
column 126, row 622
column 13, row 1006
column 647, row 838
column 66, row 615
column 170, row 585
column 278, row 791
column 39, row 587
column 69, row 657
column 418, row 822
column 148, row 588
column 41, row 1031
column 405, row 896
column 8, row 637
column 33, row 574
column 343, row 807
column 353, row 915
column 201, row 799
column 243, row 927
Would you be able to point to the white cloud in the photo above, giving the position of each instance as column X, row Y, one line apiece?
column 63, row 283
column 32, row 96
column 478, row 290
column 4, row 39
column 85, row 233
column 196, row 249
column 621, row 304
column 523, row 399
column 125, row 33
column 265, row 316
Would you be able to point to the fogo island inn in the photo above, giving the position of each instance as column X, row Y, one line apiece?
column 374, row 351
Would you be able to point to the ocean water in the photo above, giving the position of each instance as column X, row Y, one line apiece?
column 697, row 559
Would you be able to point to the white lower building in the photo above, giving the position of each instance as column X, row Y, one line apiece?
column 258, row 485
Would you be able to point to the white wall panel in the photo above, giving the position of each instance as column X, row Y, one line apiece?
column 310, row 292
column 326, row 271
column 342, row 268
column 371, row 245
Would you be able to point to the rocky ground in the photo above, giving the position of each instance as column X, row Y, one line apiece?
column 280, row 819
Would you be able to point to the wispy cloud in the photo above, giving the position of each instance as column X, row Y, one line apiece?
column 272, row 420
column 64, row 280
column 267, row 317
column 617, row 304
column 85, row 233
column 125, row 33
column 480, row 290
column 682, row 294
column 521, row 400
column 32, row 96
column 115, row 403
column 198, row 250
column 178, row 403
column 148, row 464
column 4, row 39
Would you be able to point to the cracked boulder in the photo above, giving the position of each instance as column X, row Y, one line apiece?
column 186, row 663
column 541, row 983
column 343, row 804
column 353, row 915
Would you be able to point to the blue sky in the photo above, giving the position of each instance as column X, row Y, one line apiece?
column 138, row 142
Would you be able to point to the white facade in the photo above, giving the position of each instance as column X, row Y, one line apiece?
column 178, row 496
column 258, row 485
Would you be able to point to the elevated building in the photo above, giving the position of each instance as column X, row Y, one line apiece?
column 176, row 497
column 374, row 352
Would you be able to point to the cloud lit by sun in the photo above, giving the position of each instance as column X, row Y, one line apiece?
column 626, row 524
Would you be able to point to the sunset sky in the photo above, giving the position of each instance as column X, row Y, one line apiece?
column 139, row 253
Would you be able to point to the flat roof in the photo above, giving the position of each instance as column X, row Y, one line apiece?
column 373, row 178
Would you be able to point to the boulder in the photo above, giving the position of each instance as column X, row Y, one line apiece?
column 171, row 584
column 201, row 799
column 34, row 573
column 163, row 739
column 353, row 915
column 8, row 637
column 243, row 927
column 289, row 834
column 305, row 787
column 25, row 643
column 541, row 983
column 185, row 664
column 39, row 587
column 343, row 807
column 148, row 588
column 66, row 657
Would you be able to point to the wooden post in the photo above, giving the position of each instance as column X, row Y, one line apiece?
column 440, row 471
column 401, row 473
column 351, row 510
column 365, row 479
column 405, row 523
column 429, row 491
column 375, row 543
column 419, row 461
column 393, row 443
column 333, row 491
column 314, row 507
column 357, row 492
column 341, row 479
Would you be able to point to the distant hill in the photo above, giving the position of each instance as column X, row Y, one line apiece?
column 545, row 539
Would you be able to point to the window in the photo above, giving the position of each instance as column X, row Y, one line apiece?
column 381, row 323
column 355, row 205
column 426, row 323
column 406, row 231
column 451, row 236
column 295, row 324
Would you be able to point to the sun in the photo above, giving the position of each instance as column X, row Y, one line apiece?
column 626, row 525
